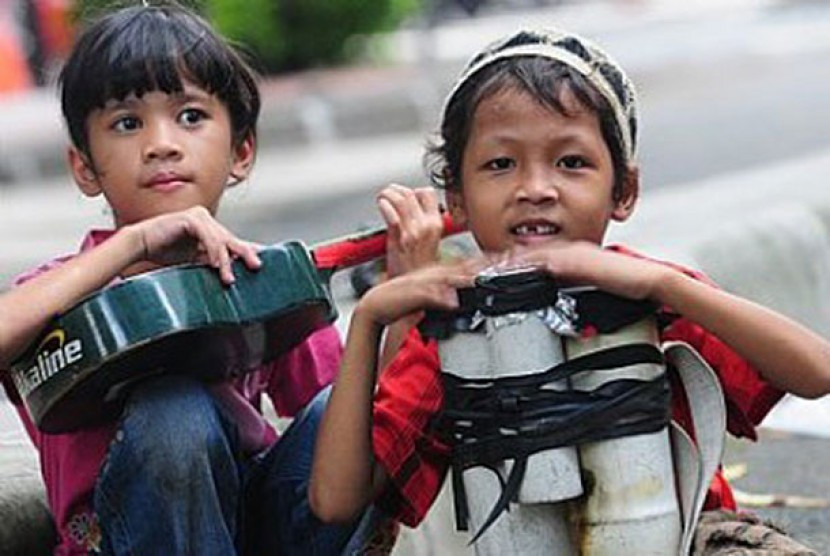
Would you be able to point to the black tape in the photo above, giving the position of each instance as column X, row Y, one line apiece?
column 488, row 421
column 527, row 291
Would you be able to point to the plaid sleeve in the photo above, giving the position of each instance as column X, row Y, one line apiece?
column 748, row 396
column 409, row 395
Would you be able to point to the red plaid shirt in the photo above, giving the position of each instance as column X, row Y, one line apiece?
column 410, row 394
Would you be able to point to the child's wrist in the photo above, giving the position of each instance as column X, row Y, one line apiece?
column 135, row 246
column 364, row 315
column 665, row 283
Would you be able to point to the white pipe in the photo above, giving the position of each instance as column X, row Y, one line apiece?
column 514, row 345
column 631, row 506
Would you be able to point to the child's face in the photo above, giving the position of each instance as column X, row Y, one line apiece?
column 160, row 153
column 530, row 175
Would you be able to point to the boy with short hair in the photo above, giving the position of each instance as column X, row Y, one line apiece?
column 537, row 155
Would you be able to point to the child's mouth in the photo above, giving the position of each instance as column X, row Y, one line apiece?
column 534, row 232
column 166, row 182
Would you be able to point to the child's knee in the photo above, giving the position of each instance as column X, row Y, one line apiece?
column 171, row 421
column 312, row 413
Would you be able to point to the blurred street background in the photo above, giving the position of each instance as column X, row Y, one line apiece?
column 734, row 150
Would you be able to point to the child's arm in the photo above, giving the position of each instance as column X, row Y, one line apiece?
column 414, row 228
column 344, row 476
column 166, row 239
column 787, row 354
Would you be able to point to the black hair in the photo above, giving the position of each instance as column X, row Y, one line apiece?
column 545, row 80
column 145, row 48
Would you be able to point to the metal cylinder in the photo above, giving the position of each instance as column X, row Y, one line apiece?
column 513, row 345
column 630, row 505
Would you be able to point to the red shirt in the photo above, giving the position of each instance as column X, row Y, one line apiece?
column 410, row 395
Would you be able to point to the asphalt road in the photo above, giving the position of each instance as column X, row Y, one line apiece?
column 791, row 465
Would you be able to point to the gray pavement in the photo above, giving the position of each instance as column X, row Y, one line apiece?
column 783, row 464
column 330, row 136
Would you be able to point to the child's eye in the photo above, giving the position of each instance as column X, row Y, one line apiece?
column 572, row 162
column 126, row 123
column 498, row 164
column 192, row 116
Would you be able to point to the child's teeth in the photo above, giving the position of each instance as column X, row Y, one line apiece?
column 542, row 229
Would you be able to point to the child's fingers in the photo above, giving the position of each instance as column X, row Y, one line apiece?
column 455, row 275
column 432, row 220
column 221, row 246
column 226, row 249
column 388, row 213
column 403, row 200
column 215, row 244
column 415, row 227
column 428, row 201
column 460, row 281
column 247, row 251
column 223, row 264
column 445, row 298
column 418, row 209
column 476, row 265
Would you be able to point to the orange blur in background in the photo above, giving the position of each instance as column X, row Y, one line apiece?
column 46, row 27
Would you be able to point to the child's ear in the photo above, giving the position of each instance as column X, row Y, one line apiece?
column 454, row 199
column 456, row 206
column 243, row 159
column 83, row 172
column 624, row 205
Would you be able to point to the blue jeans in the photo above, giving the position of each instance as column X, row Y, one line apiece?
column 174, row 481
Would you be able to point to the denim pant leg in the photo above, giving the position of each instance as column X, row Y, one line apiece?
column 170, row 483
column 278, row 518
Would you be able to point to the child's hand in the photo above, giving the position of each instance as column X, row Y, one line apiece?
column 431, row 287
column 414, row 225
column 588, row 264
column 194, row 235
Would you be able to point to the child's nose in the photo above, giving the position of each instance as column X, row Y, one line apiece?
column 161, row 142
column 538, row 186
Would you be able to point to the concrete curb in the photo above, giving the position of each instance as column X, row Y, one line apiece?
column 26, row 526
column 761, row 233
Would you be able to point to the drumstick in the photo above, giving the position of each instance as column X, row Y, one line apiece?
column 356, row 249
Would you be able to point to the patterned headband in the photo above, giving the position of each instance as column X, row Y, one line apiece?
column 604, row 74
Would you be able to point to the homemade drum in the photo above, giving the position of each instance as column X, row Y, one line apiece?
column 557, row 406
